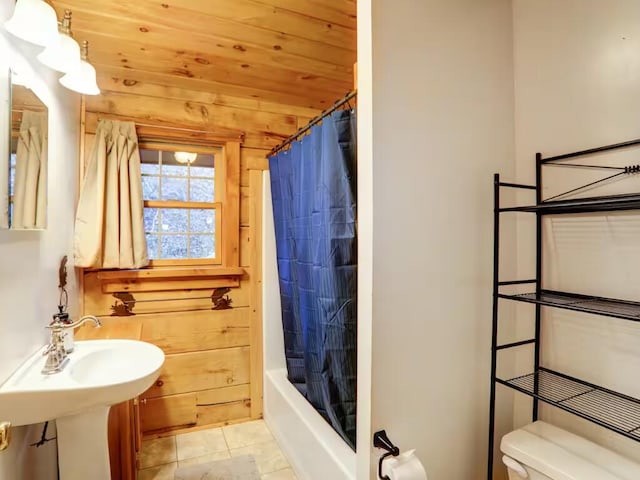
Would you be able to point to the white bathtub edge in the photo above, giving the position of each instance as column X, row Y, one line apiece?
column 314, row 450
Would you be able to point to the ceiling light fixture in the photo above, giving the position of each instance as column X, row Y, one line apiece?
column 185, row 157
column 64, row 55
column 34, row 21
column 83, row 78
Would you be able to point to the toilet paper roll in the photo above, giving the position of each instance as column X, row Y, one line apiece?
column 405, row 466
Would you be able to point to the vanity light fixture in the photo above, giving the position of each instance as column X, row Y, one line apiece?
column 185, row 157
column 34, row 21
column 63, row 55
column 83, row 78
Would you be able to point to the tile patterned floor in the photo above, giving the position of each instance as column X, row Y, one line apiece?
column 161, row 457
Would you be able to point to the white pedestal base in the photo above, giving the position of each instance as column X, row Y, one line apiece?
column 83, row 447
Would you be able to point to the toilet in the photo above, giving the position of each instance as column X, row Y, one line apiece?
column 541, row 451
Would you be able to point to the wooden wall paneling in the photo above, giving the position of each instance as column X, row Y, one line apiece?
column 255, row 181
column 189, row 113
column 191, row 372
column 168, row 285
column 224, row 413
column 219, row 406
column 303, row 121
column 245, row 246
column 253, row 139
column 112, row 328
column 99, row 303
column 168, row 412
column 244, row 206
column 252, row 159
column 224, row 405
column 224, row 395
column 148, row 89
column 259, row 135
column 195, row 331
column 185, row 272
column 161, row 131
column 231, row 218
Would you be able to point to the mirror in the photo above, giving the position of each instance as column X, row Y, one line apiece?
column 25, row 167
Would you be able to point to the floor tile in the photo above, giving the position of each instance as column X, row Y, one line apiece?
column 286, row 474
column 212, row 457
column 198, row 444
column 245, row 434
column 236, row 468
column 163, row 472
column 268, row 456
column 158, row 452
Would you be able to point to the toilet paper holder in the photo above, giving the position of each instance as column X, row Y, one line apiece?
column 381, row 440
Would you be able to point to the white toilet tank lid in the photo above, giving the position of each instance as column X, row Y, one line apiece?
column 561, row 455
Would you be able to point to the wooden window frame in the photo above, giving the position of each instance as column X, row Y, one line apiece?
column 216, row 205
column 227, row 189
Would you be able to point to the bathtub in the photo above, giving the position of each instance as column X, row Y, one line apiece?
column 314, row 450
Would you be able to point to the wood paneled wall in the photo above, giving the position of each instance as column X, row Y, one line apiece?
column 213, row 370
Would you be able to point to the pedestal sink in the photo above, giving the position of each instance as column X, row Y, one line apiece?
column 100, row 373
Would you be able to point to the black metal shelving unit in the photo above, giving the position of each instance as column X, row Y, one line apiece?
column 612, row 410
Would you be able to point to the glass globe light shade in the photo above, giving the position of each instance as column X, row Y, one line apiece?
column 34, row 21
column 64, row 56
column 82, row 79
column 185, row 157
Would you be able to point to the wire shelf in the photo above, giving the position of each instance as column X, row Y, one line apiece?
column 582, row 205
column 609, row 307
column 604, row 407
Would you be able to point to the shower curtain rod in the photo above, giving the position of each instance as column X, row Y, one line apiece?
column 314, row 121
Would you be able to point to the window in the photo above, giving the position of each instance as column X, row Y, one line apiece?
column 182, row 200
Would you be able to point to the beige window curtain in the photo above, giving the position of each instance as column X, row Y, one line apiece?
column 30, row 184
column 109, row 230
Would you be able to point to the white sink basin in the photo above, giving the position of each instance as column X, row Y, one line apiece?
column 99, row 373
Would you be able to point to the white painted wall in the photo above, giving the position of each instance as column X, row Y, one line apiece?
column 29, row 260
column 365, row 238
column 577, row 85
column 441, row 96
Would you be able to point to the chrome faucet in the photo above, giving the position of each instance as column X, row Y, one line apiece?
column 57, row 356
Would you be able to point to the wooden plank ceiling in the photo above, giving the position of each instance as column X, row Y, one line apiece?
column 295, row 52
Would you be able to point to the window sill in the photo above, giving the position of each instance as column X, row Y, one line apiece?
column 172, row 272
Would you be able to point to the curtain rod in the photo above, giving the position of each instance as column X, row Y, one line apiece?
column 314, row 121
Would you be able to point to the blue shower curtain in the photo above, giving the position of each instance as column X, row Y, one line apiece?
column 313, row 187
